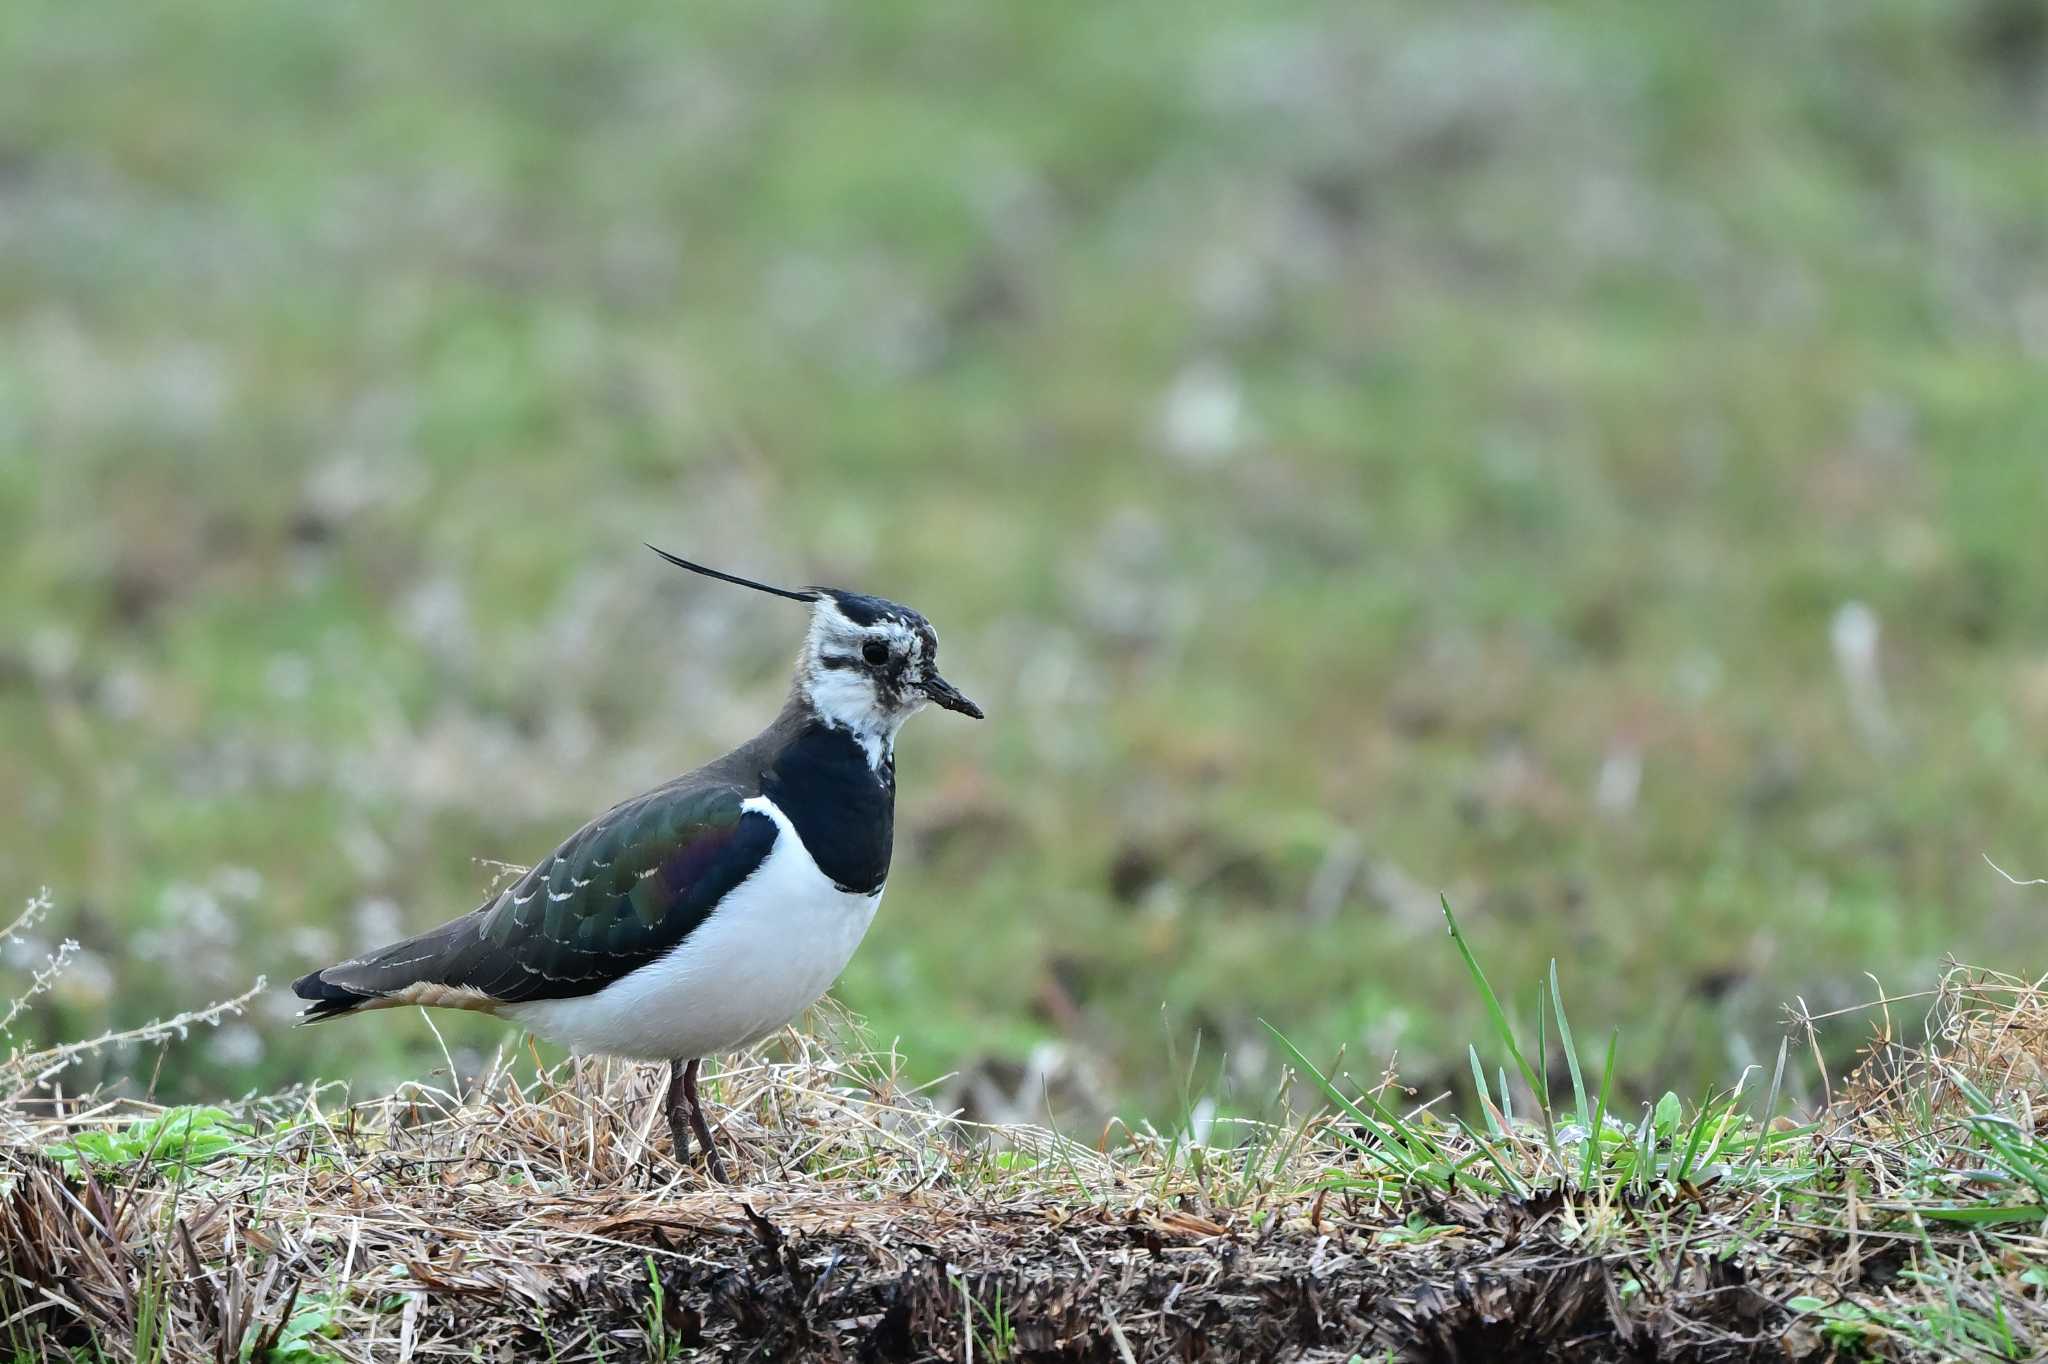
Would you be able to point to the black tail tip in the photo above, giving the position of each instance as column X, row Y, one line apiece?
column 328, row 999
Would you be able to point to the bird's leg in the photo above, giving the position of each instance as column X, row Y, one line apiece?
column 681, row 1093
column 702, row 1128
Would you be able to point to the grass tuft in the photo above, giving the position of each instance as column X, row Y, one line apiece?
column 533, row 1212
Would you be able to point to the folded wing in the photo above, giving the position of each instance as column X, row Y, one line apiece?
column 623, row 891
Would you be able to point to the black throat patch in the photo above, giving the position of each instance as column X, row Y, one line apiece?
column 843, row 810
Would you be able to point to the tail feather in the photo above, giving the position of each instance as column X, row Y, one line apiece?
column 328, row 999
column 414, row 971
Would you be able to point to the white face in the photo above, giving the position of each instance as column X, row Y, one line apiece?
column 869, row 665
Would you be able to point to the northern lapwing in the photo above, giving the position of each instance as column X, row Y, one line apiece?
column 701, row 917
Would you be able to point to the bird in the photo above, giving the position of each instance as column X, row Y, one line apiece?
column 706, row 914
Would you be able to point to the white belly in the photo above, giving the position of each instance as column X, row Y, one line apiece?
column 770, row 949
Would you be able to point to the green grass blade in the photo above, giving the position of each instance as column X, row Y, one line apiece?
column 1971, row 1214
column 1683, row 1170
column 1499, row 1017
column 1596, row 1130
column 1763, row 1135
column 1564, row 1039
column 1398, row 1154
column 1508, row 1177
column 1479, row 1083
column 1463, row 1171
column 2023, row 1159
column 1731, row 1118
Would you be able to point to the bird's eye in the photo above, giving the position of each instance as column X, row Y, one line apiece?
column 875, row 652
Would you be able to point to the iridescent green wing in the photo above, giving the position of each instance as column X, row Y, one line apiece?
column 623, row 891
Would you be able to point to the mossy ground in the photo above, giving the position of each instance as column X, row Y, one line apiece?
column 525, row 1215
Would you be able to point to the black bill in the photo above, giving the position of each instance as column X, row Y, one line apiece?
column 944, row 693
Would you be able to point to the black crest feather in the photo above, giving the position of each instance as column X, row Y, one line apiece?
column 806, row 595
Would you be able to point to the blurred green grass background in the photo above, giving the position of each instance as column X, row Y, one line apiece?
column 1588, row 460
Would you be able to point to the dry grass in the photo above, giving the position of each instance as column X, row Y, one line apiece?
column 536, row 1214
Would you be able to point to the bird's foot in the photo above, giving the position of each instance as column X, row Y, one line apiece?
column 712, row 1163
column 678, row 1113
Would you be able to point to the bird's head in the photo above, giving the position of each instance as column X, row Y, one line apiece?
column 868, row 664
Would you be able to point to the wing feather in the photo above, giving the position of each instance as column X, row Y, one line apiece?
column 620, row 892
